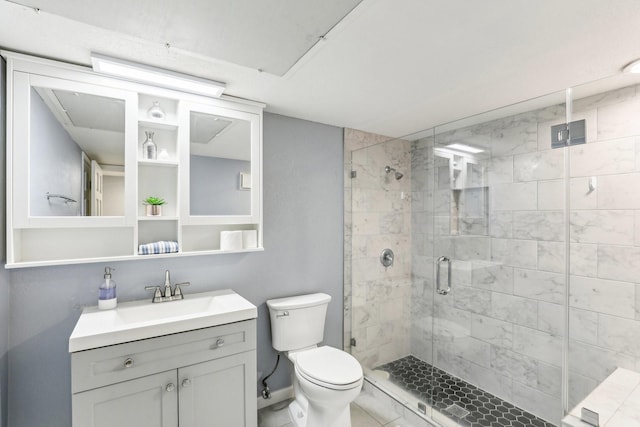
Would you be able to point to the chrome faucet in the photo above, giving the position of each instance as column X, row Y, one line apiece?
column 168, row 295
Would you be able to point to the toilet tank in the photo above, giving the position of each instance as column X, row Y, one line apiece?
column 297, row 322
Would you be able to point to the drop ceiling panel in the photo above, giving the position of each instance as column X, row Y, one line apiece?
column 268, row 35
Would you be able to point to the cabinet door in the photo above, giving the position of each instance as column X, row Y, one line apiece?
column 221, row 392
column 150, row 401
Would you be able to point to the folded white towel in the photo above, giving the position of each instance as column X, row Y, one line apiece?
column 161, row 247
column 231, row 240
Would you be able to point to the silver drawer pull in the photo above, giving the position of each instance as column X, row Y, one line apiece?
column 170, row 387
column 128, row 362
column 186, row 383
column 219, row 342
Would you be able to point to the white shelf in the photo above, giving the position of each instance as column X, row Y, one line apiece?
column 161, row 163
column 158, row 124
column 157, row 218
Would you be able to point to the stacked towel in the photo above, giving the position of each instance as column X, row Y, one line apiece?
column 231, row 240
column 161, row 247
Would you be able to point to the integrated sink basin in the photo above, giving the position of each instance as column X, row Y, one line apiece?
column 136, row 320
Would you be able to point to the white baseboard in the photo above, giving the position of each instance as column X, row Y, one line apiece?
column 276, row 397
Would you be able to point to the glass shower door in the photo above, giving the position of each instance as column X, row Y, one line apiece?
column 498, row 252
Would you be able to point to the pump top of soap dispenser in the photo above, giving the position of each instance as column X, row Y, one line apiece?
column 107, row 272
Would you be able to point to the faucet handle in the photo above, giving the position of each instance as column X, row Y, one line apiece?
column 157, row 295
column 178, row 291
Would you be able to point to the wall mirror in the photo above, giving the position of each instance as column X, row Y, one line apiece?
column 220, row 165
column 76, row 153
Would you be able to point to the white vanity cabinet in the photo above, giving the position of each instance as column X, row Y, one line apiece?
column 77, row 176
column 204, row 377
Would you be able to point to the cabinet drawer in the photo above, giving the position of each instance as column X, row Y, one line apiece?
column 109, row 365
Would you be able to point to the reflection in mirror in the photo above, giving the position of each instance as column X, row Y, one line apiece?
column 76, row 154
column 220, row 165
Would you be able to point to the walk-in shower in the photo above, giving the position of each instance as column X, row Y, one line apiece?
column 541, row 263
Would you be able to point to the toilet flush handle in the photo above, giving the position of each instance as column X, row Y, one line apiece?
column 283, row 314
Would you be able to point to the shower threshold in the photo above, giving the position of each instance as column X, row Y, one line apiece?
column 460, row 401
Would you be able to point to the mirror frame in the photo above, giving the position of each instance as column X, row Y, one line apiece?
column 254, row 216
column 22, row 218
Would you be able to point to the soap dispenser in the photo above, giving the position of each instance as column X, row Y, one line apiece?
column 107, row 298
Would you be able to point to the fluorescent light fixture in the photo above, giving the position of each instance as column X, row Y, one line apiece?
column 155, row 76
column 632, row 68
column 465, row 148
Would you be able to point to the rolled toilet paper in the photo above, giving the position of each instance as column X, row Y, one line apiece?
column 249, row 239
column 231, row 240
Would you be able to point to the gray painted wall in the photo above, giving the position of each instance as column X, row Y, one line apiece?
column 55, row 163
column 215, row 186
column 303, row 239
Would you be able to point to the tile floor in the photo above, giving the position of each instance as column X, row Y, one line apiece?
column 370, row 409
column 466, row 404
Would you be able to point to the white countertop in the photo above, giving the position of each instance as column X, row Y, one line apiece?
column 136, row 320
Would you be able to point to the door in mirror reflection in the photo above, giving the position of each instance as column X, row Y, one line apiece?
column 76, row 154
column 220, row 165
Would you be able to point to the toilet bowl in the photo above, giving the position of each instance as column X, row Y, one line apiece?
column 325, row 380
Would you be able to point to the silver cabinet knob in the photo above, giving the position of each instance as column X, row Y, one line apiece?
column 128, row 362
column 170, row 387
column 186, row 383
column 219, row 342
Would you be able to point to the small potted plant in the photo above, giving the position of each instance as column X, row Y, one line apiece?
column 154, row 205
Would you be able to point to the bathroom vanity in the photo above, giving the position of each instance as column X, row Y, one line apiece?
column 188, row 363
column 79, row 172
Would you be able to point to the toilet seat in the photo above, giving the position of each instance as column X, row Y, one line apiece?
column 329, row 367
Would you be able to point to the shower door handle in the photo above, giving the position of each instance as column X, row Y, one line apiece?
column 438, row 264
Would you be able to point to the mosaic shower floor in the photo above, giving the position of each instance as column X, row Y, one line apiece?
column 466, row 404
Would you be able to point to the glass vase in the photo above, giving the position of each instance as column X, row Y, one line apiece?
column 149, row 148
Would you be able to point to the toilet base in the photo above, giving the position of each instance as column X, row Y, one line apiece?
column 312, row 417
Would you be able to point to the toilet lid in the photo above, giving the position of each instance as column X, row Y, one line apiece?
column 328, row 366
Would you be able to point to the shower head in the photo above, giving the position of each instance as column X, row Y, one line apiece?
column 389, row 169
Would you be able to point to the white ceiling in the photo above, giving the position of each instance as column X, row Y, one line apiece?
column 392, row 67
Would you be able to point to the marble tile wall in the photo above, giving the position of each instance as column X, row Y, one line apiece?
column 377, row 216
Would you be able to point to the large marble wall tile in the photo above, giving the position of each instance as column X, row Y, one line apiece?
column 596, row 363
column 619, row 120
column 619, row 263
column 538, row 403
column 539, row 285
column 471, row 247
column 551, row 256
column 492, row 381
column 579, row 387
column 492, row 276
column 603, row 226
column 500, row 170
column 604, row 158
column 517, row 366
column 619, row 191
column 581, row 195
column 518, row 138
column 541, row 165
column 537, row 345
column 583, row 325
column 514, row 253
column 468, row 348
column 470, row 299
column 606, row 98
column 618, row 334
column 517, row 310
column 551, row 318
column 551, row 195
column 538, row 225
column 493, row 331
column 549, row 379
column 584, row 259
column 501, row 224
column 603, row 296
column 516, row 196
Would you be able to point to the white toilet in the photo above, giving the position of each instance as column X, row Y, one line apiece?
column 326, row 379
